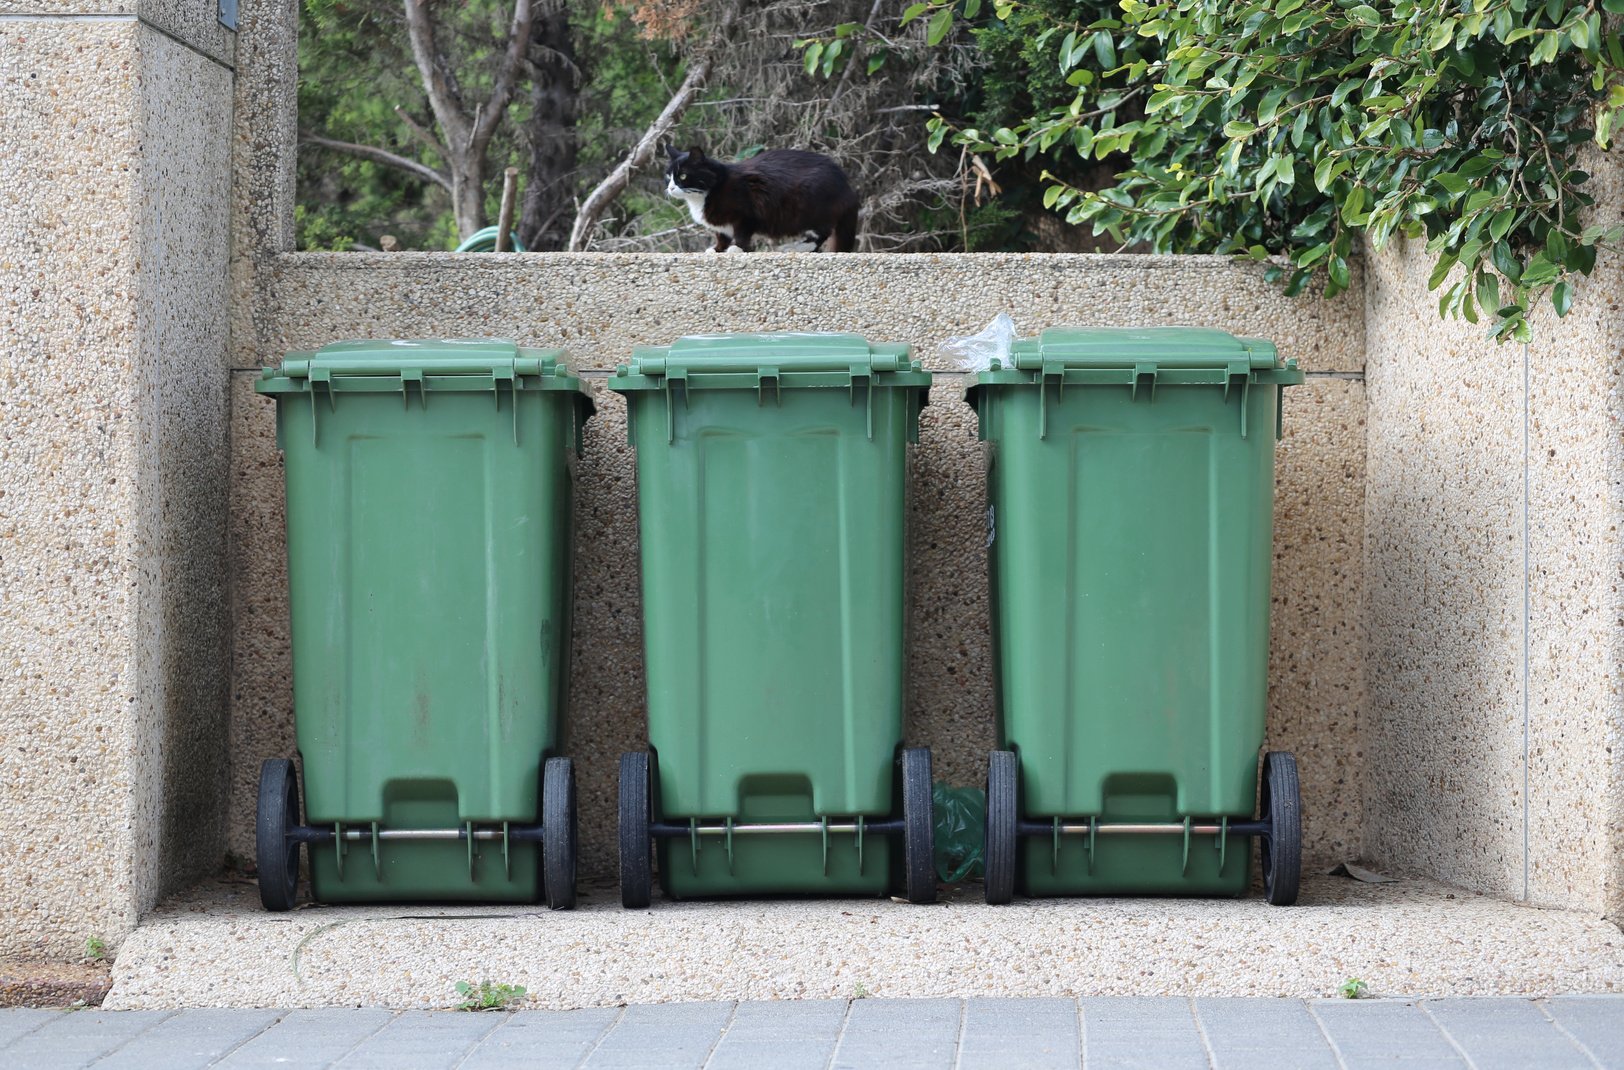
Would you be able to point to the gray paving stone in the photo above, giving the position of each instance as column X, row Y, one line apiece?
column 1506, row 1034
column 193, row 1038
column 542, row 1040
column 1597, row 1022
column 1130, row 1032
column 1251, row 1034
column 782, row 1034
column 18, row 1021
column 421, row 1040
column 1036, row 1034
column 673, row 1036
column 900, row 1034
column 1384, row 1032
column 309, row 1038
column 79, row 1038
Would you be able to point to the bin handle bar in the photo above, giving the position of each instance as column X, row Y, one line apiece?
column 302, row 368
column 694, row 364
column 1144, row 828
column 671, row 830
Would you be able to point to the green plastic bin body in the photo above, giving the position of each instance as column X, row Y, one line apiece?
column 1131, row 481
column 772, row 485
column 428, row 513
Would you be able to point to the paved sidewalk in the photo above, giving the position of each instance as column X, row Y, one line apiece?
column 1582, row 1032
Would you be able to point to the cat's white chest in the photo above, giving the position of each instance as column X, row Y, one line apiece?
column 696, row 209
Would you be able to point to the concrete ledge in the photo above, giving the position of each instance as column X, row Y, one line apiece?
column 216, row 947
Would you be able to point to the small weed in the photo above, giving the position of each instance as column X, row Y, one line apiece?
column 860, row 992
column 95, row 949
column 1353, row 988
column 486, row 996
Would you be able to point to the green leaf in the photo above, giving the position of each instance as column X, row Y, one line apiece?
column 1051, row 195
column 913, row 12
column 1441, row 270
column 1488, row 289
column 1454, row 183
column 1313, row 256
column 814, row 52
column 972, row 8
column 1365, row 15
column 1562, row 298
column 875, row 62
column 939, row 24
column 1105, row 50
column 1270, row 105
column 1341, row 92
column 1338, row 270
column 1237, row 128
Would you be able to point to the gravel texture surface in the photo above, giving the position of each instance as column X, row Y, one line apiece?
column 216, row 947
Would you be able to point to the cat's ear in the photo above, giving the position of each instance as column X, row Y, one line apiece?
column 696, row 153
column 671, row 150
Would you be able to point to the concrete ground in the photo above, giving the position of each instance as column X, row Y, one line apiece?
column 217, row 948
column 1167, row 1033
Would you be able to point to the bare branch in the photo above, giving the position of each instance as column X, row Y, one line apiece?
column 438, row 81
column 383, row 156
column 502, row 87
column 422, row 133
column 851, row 61
column 699, row 68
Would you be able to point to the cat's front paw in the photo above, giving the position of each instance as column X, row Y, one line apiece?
column 734, row 249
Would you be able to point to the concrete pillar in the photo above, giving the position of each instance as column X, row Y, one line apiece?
column 115, row 140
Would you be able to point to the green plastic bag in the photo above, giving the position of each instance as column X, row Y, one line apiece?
column 961, row 831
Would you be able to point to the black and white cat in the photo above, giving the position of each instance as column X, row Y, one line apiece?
column 780, row 193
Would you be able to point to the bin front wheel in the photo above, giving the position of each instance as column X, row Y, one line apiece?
column 918, row 827
column 558, row 832
column 636, row 869
column 1003, row 777
column 278, row 814
column 1282, row 846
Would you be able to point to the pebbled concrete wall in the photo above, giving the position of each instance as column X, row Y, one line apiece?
column 114, row 143
column 1495, row 607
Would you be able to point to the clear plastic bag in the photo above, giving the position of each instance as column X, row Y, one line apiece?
column 985, row 350
column 961, row 831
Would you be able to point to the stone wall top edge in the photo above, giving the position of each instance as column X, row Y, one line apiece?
column 812, row 261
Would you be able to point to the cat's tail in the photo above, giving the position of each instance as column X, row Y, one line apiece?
column 845, row 239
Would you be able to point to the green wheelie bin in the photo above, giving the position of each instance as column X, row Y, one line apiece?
column 1130, row 483
column 772, row 490
column 428, row 521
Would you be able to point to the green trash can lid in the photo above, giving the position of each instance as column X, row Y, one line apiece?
column 1141, row 347
column 771, row 354
column 418, row 357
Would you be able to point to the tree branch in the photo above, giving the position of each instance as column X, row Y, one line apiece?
column 443, row 93
column 383, row 156
column 699, row 68
column 422, row 133
column 506, row 75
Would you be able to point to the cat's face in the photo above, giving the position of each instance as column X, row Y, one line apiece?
column 688, row 172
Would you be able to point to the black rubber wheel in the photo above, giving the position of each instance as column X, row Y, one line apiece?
column 277, row 856
column 636, row 865
column 1003, row 778
column 1282, row 847
column 918, row 827
column 558, row 832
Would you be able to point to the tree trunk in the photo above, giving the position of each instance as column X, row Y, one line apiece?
column 549, row 201
column 468, row 195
